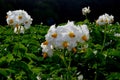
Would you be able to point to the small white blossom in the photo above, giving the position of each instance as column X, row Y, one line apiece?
column 86, row 10
column 95, row 52
column 19, row 29
column 51, row 35
column 39, row 78
column 48, row 49
column 85, row 33
column 105, row 19
column 19, row 18
column 117, row 34
column 80, row 77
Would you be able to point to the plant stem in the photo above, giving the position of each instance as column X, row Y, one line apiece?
column 68, row 68
column 104, row 40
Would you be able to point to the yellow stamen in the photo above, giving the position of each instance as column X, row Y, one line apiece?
column 17, row 25
column 19, row 17
column 11, row 21
column 65, row 44
column 74, row 50
column 26, row 22
column 71, row 34
column 45, row 43
column 84, row 37
column 54, row 35
column 106, row 21
column 102, row 20
column 45, row 55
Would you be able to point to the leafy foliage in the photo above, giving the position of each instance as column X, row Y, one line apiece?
column 21, row 55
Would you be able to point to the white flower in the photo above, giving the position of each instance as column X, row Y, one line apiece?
column 86, row 10
column 39, row 78
column 64, row 37
column 47, row 48
column 105, row 19
column 117, row 34
column 27, row 23
column 95, row 52
column 85, row 33
column 51, row 35
column 61, row 40
column 19, row 29
column 80, row 77
column 9, row 13
column 67, row 36
column 11, row 20
column 19, row 17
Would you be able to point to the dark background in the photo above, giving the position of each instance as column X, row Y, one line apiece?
column 60, row 11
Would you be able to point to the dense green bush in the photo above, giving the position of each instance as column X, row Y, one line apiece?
column 21, row 55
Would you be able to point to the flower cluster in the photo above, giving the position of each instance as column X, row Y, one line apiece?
column 105, row 19
column 19, row 19
column 64, row 37
column 86, row 10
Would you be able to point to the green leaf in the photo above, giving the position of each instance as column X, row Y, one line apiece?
column 6, row 71
column 19, row 50
column 9, row 58
column 2, row 60
column 36, row 70
column 114, row 76
column 3, row 72
column 114, row 52
column 31, row 56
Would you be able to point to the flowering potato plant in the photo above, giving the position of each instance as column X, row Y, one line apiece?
column 71, row 51
column 64, row 37
column 19, row 19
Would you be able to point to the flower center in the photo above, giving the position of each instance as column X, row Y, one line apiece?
column 19, row 17
column 65, row 44
column 102, row 20
column 54, row 35
column 26, row 22
column 45, row 43
column 71, row 34
column 74, row 50
column 45, row 55
column 11, row 21
column 106, row 20
column 84, row 37
column 17, row 25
